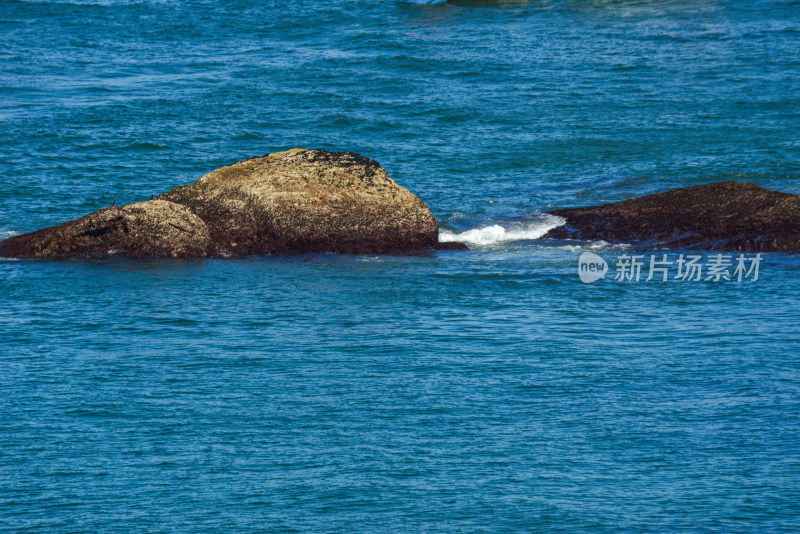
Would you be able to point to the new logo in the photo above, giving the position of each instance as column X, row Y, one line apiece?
column 591, row 267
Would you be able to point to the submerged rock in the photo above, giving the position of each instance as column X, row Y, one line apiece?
column 299, row 201
column 450, row 245
column 715, row 216
column 154, row 228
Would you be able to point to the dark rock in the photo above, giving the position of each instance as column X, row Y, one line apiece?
column 716, row 216
column 157, row 228
column 450, row 245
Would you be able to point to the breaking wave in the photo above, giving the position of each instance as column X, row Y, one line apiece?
column 510, row 231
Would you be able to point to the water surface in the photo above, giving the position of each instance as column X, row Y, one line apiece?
column 441, row 392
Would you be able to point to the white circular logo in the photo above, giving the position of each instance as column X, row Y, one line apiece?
column 591, row 267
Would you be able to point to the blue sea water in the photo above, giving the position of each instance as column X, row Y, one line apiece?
column 481, row 391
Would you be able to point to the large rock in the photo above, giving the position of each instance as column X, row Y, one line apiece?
column 308, row 201
column 716, row 216
column 297, row 201
column 155, row 228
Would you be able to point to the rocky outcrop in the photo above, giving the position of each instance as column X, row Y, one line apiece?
column 155, row 228
column 716, row 216
column 299, row 201
column 308, row 201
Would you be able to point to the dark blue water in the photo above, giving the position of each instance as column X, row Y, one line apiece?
column 440, row 392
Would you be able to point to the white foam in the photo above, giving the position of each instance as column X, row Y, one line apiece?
column 491, row 235
column 595, row 245
column 5, row 233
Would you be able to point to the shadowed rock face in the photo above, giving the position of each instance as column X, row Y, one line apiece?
column 156, row 228
column 298, row 201
column 716, row 216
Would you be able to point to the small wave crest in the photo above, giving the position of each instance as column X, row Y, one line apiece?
column 512, row 231
column 5, row 233
column 595, row 245
column 145, row 146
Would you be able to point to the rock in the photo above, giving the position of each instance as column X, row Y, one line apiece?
column 156, row 228
column 303, row 201
column 450, row 245
column 715, row 216
column 298, row 201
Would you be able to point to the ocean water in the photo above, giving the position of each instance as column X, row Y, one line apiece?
column 480, row 391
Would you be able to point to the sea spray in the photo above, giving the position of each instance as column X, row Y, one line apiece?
column 507, row 231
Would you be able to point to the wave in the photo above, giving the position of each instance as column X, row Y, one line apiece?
column 596, row 245
column 5, row 233
column 512, row 231
column 145, row 146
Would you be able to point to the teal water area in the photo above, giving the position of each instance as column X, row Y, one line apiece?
column 480, row 391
